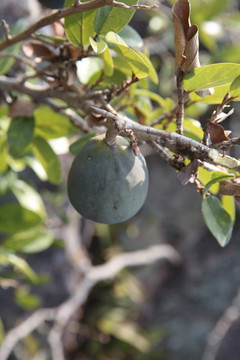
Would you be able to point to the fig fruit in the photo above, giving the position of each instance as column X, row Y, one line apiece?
column 108, row 185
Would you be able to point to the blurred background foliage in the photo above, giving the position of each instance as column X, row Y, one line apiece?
column 140, row 314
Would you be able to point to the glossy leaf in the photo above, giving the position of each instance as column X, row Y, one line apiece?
column 209, row 76
column 30, row 241
column 134, row 60
column 51, row 125
column 48, row 159
column 89, row 69
column 100, row 47
column 79, row 27
column 78, row 144
column 14, row 218
column 20, row 134
column 109, row 18
column 217, row 219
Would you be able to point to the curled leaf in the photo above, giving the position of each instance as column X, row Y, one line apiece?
column 217, row 133
column 185, row 38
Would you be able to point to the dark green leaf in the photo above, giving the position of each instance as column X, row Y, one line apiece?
column 80, row 27
column 20, row 134
column 209, row 76
column 109, row 18
column 50, row 125
column 217, row 219
column 3, row 155
column 78, row 144
column 14, row 218
column 48, row 159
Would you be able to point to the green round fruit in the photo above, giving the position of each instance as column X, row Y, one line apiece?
column 108, row 185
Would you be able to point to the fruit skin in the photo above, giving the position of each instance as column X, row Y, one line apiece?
column 108, row 185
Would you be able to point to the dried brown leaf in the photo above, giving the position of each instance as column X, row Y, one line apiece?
column 188, row 173
column 229, row 188
column 216, row 132
column 36, row 49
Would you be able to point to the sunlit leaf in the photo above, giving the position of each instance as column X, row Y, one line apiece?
column 3, row 155
column 48, row 159
column 20, row 134
column 209, row 76
column 217, row 219
column 89, row 68
column 79, row 27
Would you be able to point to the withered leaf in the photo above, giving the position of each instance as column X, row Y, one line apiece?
column 36, row 49
column 229, row 188
column 22, row 107
column 217, row 133
column 188, row 173
column 185, row 37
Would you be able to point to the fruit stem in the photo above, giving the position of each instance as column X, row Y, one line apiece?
column 111, row 134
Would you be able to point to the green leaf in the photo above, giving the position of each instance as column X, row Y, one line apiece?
column 234, row 90
column 217, row 219
column 215, row 98
column 79, row 143
column 131, row 37
column 80, row 27
column 28, row 197
column 14, row 218
column 7, row 63
column 3, row 155
column 228, row 203
column 51, row 125
column 209, row 76
column 152, row 72
column 134, row 60
column 109, row 18
column 216, row 177
column 20, row 134
column 100, row 47
column 31, row 241
column 7, row 258
column 192, row 128
column 48, row 159
column 2, row 331
column 25, row 299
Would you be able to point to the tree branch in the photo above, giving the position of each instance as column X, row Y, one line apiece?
column 56, row 15
column 61, row 314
